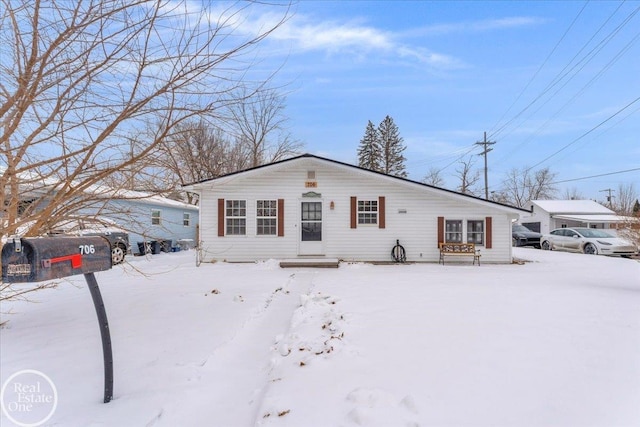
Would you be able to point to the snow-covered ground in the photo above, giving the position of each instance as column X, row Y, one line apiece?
column 553, row 342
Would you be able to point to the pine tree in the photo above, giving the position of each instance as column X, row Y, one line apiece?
column 369, row 153
column 392, row 148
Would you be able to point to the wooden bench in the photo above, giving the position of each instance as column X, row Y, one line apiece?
column 459, row 249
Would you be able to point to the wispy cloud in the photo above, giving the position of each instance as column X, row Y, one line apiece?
column 304, row 33
column 474, row 26
column 356, row 38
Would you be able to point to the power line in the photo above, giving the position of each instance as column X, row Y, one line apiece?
column 442, row 157
column 586, row 133
column 568, row 73
column 569, row 70
column 578, row 94
column 535, row 75
column 596, row 176
column 587, row 177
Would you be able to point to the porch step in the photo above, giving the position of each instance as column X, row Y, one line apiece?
column 310, row 262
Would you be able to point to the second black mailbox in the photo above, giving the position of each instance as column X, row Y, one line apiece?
column 46, row 258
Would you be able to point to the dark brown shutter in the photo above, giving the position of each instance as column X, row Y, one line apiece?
column 220, row 217
column 280, row 217
column 381, row 212
column 354, row 212
column 440, row 230
column 488, row 233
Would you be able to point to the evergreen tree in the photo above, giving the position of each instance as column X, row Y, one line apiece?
column 369, row 153
column 391, row 147
column 636, row 208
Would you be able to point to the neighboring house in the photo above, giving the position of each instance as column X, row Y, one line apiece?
column 150, row 218
column 309, row 206
column 547, row 215
column 146, row 217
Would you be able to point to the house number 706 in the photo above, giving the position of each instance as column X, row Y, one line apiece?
column 87, row 249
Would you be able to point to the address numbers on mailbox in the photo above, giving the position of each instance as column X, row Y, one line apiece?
column 46, row 258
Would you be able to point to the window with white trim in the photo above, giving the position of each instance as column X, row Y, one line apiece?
column 453, row 231
column 367, row 211
column 156, row 217
column 236, row 217
column 475, row 231
column 186, row 219
column 266, row 217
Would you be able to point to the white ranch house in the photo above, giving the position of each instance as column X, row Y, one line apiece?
column 309, row 206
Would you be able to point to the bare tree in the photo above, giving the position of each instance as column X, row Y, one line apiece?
column 626, row 199
column 468, row 177
column 434, row 177
column 258, row 123
column 572, row 194
column 196, row 153
column 91, row 88
column 80, row 80
column 521, row 186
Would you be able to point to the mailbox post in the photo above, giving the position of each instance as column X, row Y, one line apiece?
column 49, row 258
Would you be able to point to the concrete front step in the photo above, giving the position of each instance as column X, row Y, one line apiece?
column 310, row 262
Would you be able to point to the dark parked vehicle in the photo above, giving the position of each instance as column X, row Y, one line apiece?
column 117, row 237
column 522, row 236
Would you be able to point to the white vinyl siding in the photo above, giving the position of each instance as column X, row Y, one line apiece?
column 411, row 213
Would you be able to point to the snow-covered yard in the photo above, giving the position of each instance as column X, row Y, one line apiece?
column 553, row 342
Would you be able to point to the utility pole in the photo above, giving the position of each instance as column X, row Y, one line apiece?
column 485, row 145
column 609, row 197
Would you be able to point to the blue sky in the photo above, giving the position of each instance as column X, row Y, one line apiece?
column 539, row 77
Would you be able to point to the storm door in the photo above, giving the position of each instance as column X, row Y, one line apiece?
column 311, row 228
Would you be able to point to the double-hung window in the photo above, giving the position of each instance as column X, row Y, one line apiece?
column 186, row 219
column 456, row 229
column 236, row 217
column 156, row 217
column 475, row 232
column 266, row 217
column 453, row 231
column 367, row 211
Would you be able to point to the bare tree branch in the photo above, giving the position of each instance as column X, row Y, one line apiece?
column 520, row 186
column 80, row 81
column 468, row 177
column 434, row 177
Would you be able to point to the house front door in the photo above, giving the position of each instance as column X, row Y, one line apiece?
column 311, row 228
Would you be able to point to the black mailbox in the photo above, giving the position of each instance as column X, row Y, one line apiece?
column 46, row 258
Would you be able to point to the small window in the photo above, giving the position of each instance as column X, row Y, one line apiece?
column 156, row 216
column 266, row 217
column 475, row 232
column 367, row 211
column 236, row 217
column 186, row 219
column 453, row 231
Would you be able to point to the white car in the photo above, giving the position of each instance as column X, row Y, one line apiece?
column 588, row 241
